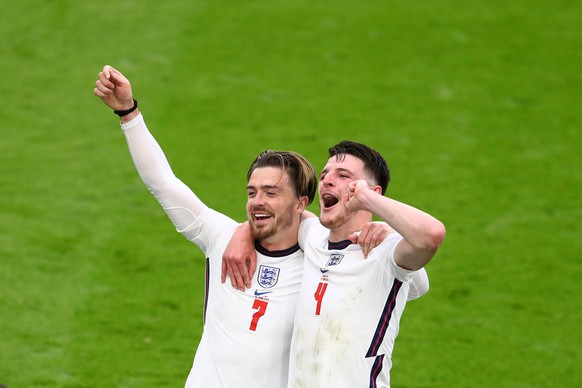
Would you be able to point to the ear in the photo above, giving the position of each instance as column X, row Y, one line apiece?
column 302, row 203
column 377, row 189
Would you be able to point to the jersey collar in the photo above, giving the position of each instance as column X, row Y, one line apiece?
column 284, row 252
column 338, row 245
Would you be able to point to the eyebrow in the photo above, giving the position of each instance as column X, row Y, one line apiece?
column 265, row 187
column 340, row 169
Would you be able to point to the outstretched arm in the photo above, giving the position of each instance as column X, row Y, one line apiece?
column 179, row 202
column 422, row 234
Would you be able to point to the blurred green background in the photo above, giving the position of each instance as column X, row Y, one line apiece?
column 476, row 107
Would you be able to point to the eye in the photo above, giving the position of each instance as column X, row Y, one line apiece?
column 251, row 194
column 271, row 194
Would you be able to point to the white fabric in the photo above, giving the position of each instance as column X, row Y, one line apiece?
column 419, row 284
column 330, row 349
column 230, row 353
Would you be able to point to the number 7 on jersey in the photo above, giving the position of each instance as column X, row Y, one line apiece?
column 261, row 307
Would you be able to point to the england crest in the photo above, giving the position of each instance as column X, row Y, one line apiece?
column 334, row 259
column 268, row 276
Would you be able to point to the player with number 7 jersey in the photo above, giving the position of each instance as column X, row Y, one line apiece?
column 246, row 334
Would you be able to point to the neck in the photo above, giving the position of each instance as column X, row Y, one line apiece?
column 281, row 240
column 355, row 224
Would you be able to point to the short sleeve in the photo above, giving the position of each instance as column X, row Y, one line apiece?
column 386, row 252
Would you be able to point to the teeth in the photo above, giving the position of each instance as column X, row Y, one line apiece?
column 262, row 215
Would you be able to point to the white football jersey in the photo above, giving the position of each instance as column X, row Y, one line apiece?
column 348, row 312
column 246, row 337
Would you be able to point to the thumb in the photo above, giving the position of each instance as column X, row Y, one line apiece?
column 107, row 71
column 353, row 237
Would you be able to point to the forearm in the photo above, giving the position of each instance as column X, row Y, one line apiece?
column 147, row 155
column 422, row 233
column 178, row 201
column 127, row 118
column 420, row 229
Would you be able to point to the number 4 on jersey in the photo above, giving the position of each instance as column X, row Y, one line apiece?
column 321, row 287
column 261, row 306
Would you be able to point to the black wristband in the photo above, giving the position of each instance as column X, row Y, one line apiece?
column 122, row 113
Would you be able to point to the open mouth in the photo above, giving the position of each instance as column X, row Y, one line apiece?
column 328, row 200
column 261, row 216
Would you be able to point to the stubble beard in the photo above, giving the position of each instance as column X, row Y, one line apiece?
column 283, row 221
column 338, row 220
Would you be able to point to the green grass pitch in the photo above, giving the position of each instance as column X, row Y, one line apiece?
column 476, row 106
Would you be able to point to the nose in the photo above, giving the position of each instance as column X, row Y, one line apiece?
column 258, row 199
column 326, row 180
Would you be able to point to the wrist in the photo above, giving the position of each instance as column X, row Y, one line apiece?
column 125, row 112
column 366, row 199
column 128, row 117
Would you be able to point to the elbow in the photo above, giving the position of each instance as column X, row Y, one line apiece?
column 434, row 236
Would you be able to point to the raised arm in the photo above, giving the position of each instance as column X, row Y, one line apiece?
column 422, row 234
column 180, row 203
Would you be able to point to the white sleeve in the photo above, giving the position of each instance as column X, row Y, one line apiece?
column 418, row 284
column 178, row 201
column 307, row 228
column 303, row 230
column 386, row 252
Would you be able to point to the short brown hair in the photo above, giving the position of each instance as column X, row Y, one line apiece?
column 374, row 162
column 301, row 172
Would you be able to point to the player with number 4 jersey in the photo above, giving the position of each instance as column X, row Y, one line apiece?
column 348, row 312
column 349, row 309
